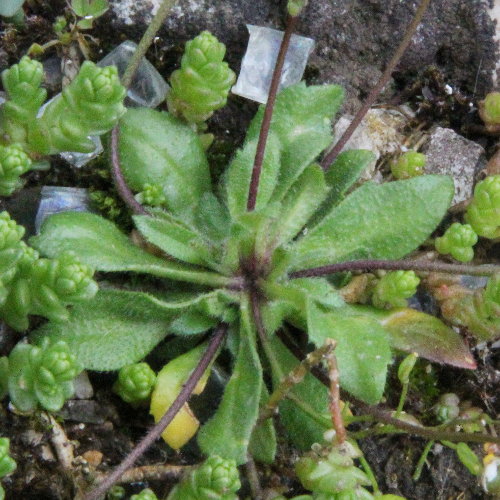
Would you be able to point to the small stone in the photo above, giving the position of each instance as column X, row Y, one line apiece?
column 380, row 132
column 87, row 411
column 148, row 87
column 473, row 282
column 448, row 153
column 93, row 457
column 55, row 199
column 258, row 63
column 83, row 387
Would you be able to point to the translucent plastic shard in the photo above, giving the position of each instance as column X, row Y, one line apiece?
column 148, row 87
column 258, row 63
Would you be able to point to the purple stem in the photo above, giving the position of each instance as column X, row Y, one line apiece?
column 121, row 185
column 330, row 157
column 268, row 113
column 394, row 265
column 209, row 354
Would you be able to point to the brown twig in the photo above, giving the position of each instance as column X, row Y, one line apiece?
column 184, row 395
column 392, row 265
column 330, row 157
column 121, row 185
column 268, row 113
column 335, row 409
column 296, row 376
column 158, row 472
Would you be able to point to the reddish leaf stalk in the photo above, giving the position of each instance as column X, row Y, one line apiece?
column 330, row 157
column 186, row 391
column 121, row 185
column 335, row 409
column 268, row 113
column 395, row 265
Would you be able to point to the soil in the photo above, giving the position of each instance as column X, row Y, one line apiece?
column 355, row 38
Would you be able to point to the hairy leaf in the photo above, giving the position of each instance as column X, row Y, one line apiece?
column 174, row 238
column 377, row 221
column 362, row 350
column 115, row 328
column 304, row 428
column 414, row 331
column 212, row 217
column 99, row 244
column 263, row 440
column 300, row 203
column 228, row 433
column 156, row 148
column 302, row 121
column 239, row 174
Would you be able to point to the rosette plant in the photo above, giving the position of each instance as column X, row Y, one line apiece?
column 249, row 256
column 221, row 263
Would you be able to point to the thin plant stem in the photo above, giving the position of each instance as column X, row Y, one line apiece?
column 369, row 472
column 386, row 417
column 212, row 348
column 146, row 41
column 120, row 183
column 268, row 113
column 394, row 265
column 334, row 403
column 372, row 96
column 293, row 378
column 402, row 399
column 421, row 461
column 253, row 478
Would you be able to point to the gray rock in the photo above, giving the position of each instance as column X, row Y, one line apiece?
column 448, row 153
column 83, row 387
column 354, row 38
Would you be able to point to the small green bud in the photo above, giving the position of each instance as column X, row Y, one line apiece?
column 408, row 165
column 14, row 162
column 216, row 478
column 491, row 109
column 394, row 288
column 152, row 195
column 202, row 83
column 22, row 81
column 483, row 213
column 135, row 382
column 116, row 493
column 406, row 367
column 7, row 464
column 447, row 408
column 295, row 7
column 10, row 232
column 333, row 473
column 146, row 494
column 458, row 241
column 59, row 24
column 57, row 360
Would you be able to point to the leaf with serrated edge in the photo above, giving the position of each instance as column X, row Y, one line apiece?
column 362, row 350
column 302, row 121
column 228, row 432
column 239, row 174
column 115, row 328
column 156, row 148
column 377, row 222
column 100, row 244
column 414, row 331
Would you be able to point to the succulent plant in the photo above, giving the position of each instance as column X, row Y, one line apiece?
column 408, row 165
column 394, row 288
column 135, row 382
column 483, row 213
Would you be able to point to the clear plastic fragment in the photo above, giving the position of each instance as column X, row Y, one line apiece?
column 148, row 87
column 78, row 160
column 55, row 199
column 258, row 63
